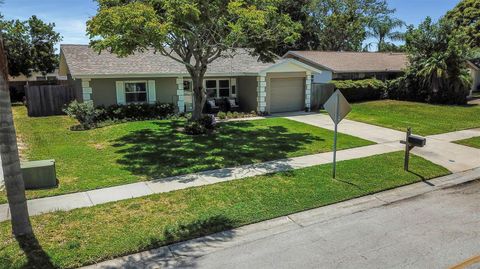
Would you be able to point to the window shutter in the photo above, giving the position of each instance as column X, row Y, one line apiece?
column 120, row 87
column 234, row 87
column 152, row 92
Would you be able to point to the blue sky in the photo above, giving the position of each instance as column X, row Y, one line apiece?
column 70, row 15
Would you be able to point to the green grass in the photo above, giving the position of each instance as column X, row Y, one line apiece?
column 137, row 151
column 473, row 142
column 425, row 119
column 89, row 235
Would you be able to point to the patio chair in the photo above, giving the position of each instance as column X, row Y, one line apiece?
column 212, row 106
column 232, row 104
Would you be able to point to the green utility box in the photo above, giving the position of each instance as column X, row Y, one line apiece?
column 39, row 174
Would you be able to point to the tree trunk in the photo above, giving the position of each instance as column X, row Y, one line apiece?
column 199, row 93
column 9, row 159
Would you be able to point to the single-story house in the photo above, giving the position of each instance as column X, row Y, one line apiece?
column 474, row 66
column 352, row 65
column 106, row 79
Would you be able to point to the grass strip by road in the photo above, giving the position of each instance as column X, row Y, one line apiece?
column 425, row 119
column 143, row 150
column 89, row 235
column 473, row 142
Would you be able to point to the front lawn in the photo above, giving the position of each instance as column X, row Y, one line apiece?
column 89, row 235
column 135, row 151
column 473, row 142
column 425, row 119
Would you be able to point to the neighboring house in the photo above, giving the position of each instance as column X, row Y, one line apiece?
column 151, row 77
column 17, row 84
column 474, row 66
column 353, row 65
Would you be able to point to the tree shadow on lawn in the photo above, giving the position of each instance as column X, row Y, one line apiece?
column 216, row 230
column 165, row 151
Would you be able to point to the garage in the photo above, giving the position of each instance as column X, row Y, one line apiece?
column 287, row 94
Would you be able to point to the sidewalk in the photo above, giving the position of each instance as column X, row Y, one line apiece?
column 101, row 196
column 254, row 236
column 439, row 149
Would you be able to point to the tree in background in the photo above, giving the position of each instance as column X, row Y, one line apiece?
column 300, row 12
column 192, row 32
column 342, row 24
column 437, row 71
column 30, row 46
column 383, row 30
column 466, row 17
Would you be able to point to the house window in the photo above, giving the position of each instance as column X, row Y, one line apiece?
column 136, row 92
column 217, row 88
column 224, row 88
column 211, row 87
column 41, row 78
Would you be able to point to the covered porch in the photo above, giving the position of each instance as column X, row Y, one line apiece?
column 283, row 87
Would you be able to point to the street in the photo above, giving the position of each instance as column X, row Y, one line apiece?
column 439, row 229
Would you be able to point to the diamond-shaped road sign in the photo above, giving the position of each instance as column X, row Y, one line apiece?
column 337, row 107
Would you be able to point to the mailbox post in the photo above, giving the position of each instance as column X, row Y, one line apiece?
column 410, row 142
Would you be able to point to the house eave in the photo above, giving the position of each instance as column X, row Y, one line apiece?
column 159, row 75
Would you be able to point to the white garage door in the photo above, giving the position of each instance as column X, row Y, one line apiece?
column 287, row 94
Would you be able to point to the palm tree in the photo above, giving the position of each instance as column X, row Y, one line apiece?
column 382, row 29
column 9, row 158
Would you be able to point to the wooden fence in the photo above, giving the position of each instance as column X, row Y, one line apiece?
column 320, row 94
column 48, row 100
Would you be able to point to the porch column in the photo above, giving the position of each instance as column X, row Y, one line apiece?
column 261, row 94
column 180, row 95
column 86, row 90
column 308, row 90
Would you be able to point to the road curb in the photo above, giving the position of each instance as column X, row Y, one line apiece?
column 208, row 244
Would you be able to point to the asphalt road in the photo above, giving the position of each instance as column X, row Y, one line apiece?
column 439, row 229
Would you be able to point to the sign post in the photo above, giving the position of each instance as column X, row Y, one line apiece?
column 338, row 108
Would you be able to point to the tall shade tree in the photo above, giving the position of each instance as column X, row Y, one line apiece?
column 192, row 32
column 30, row 46
column 342, row 24
column 466, row 17
column 300, row 11
column 9, row 158
column 383, row 30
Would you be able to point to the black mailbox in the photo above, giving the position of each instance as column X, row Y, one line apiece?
column 417, row 141
column 411, row 142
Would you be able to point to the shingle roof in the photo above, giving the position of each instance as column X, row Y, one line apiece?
column 343, row 62
column 82, row 61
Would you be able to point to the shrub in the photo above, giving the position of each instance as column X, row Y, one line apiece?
column 140, row 111
column 90, row 117
column 361, row 90
column 202, row 126
column 85, row 113
column 222, row 115
column 194, row 128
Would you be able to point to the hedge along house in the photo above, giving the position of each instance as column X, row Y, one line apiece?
column 149, row 77
column 353, row 65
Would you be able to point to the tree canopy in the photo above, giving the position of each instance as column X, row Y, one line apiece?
column 466, row 17
column 30, row 46
column 384, row 30
column 192, row 32
column 342, row 24
column 437, row 55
